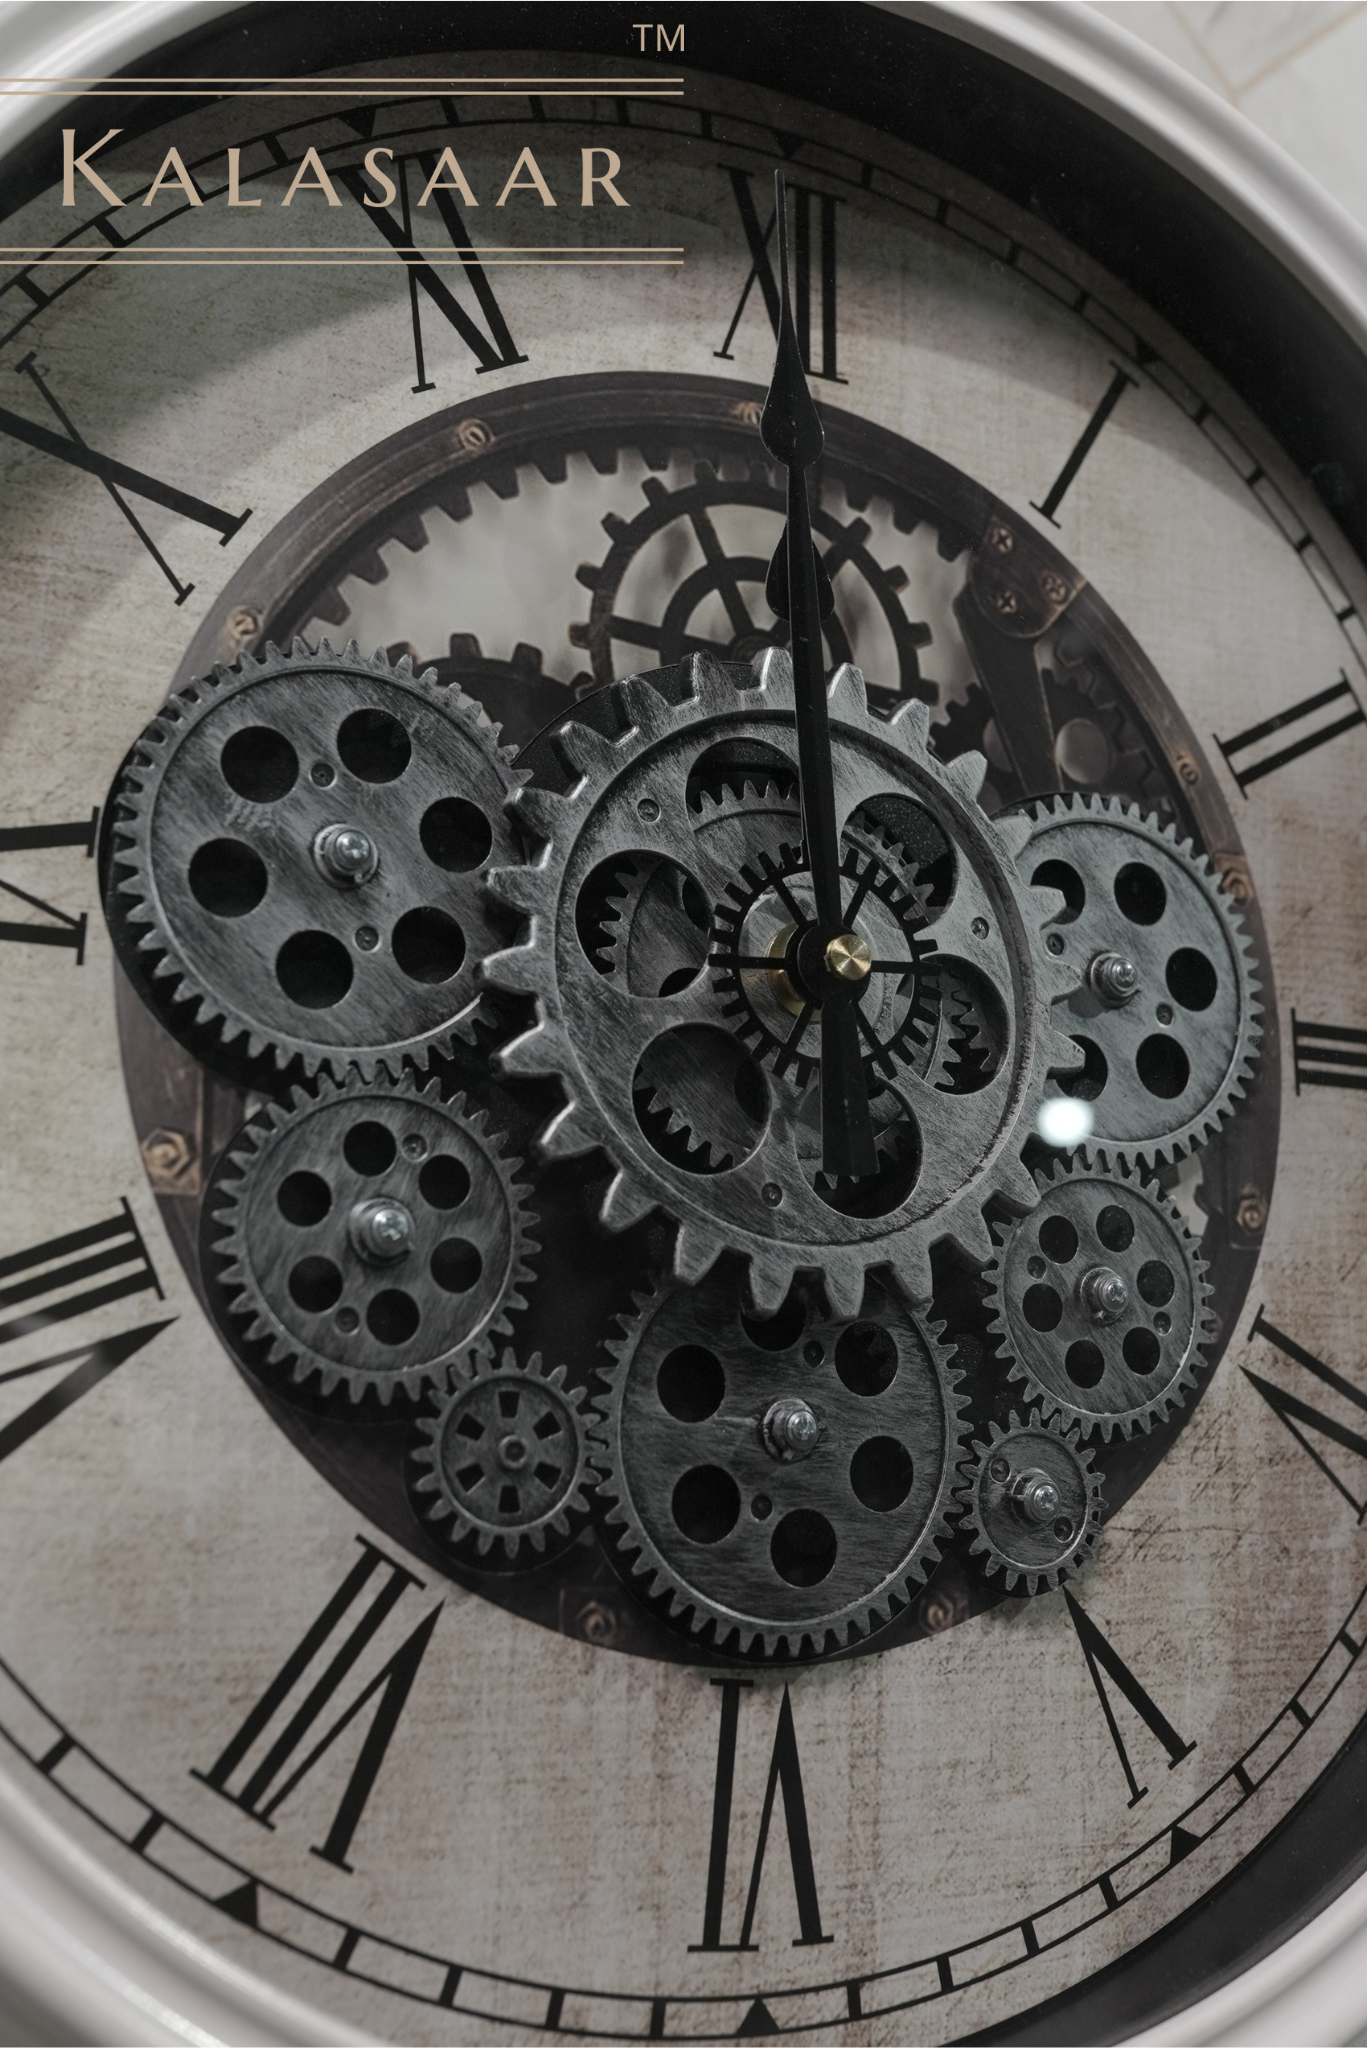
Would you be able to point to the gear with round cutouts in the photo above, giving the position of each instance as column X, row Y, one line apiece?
column 369, row 1237
column 1030, row 1504
column 498, row 1473
column 777, row 1486
column 659, row 1074
column 1099, row 1299
column 1164, row 1002
column 298, row 852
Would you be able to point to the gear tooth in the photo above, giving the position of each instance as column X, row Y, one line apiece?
column 911, row 722
column 843, row 1280
column 911, row 1267
column 585, row 750
column 624, row 1203
column 520, row 888
column 966, row 775
column 1013, row 831
column 774, row 668
column 847, row 693
column 696, row 1250
column 540, row 810
column 569, row 1134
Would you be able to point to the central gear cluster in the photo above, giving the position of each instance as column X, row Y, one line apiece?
column 834, row 1386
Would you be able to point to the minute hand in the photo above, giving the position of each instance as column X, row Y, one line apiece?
column 792, row 433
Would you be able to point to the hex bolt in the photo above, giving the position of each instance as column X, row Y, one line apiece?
column 790, row 1429
column 1114, row 979
column 381, row 1230
column 345, row 855
column 1103, row 1294
column 1035, row 1497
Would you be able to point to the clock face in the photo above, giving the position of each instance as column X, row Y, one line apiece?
column 506, row 1545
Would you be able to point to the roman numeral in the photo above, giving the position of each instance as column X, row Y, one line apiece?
column 1086, row 440
column 1340, row 693
column 1101, row 1657
column 785, row 1772
column 57, row 1280
column 493, row 349
column 63, row 930
column 262, row 1752
column 117, row 477
column 1323, row 1057
column 1292, row 1411
column 758, row 239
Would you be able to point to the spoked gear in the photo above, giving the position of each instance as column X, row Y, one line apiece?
column 298, row 851
column 723, row 1159
column 1031, row 1504
column 1164, row 1005
column 371, row 1236
column 1099, row 1298
column 499, row 1475
column 779, row 1487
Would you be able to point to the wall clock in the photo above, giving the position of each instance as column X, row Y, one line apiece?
column 516, row 1534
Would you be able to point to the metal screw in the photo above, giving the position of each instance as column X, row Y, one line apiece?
column 1054, row 943
column 512, row 1453
column 346, row 854
column 1063, row 1528
column 1035, row 1497
column 771, row 1194
column 348, row 1322
column 415, row 1146
column 648, row 810
column 1114, row 978
column 367, row 938
column 1162, row 1323
column 381, row 1230
column 1164, row 1014
column 979, row 927
column 790, row 1429
column 1036, row 1268
column 813, row 1353
column 321, row 774
column 761, row 1507
column 998, row 1469
column 1103, row 1294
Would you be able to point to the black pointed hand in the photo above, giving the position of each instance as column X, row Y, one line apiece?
column 791, row 431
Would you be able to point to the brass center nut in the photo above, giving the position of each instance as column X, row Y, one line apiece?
column 849, row 957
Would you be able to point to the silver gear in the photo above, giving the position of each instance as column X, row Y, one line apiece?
column 298, row 851
column 748, row 1190
column 1099, row 1298
column 778, row 1488
column 1166, row 1064
column 499, row 1475
column 371, row 1235
column 1030, row 1502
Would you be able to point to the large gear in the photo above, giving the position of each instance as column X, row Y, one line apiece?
column 298, row 851
column 780, row 1487
column 499, row 1473
column 727, row 1168
column 1164, row 1001
column 1099, row 1299
column 371, row 1236
column 1030, row 1504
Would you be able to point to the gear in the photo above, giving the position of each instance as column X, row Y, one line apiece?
column 1099, row 1298
column 692, row 1122
column 372, row 1235
column 1164, row 1003
column 778, row 1487
column 1031, row 1504
column 499, row 1475
column 298, row 851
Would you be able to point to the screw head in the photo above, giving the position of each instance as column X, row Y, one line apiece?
column 1036, row 1498
column 648, row 810
column 1103, row 1294
column 321, row 775
column 1164, row 1013
column 346, row 855
column 348, row 1322
column 1113, row 978
column 979, row 927
column 415, row 1146
column 813, row 1353
column 367, row 938
column 790, row 1429
column 771, row 1194
column 761, row 1507
column 381, row 1230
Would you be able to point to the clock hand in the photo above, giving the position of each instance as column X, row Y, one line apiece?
column 829, row 969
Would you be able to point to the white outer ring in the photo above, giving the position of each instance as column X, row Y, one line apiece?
column 80, row 1948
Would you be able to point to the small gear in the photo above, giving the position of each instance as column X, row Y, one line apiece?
column 1099, row 1299
column 778, row 1487
column 298, row 851
column 371, row 1235
column 1164, row 1004
column 1031, row 1504
column 499, row 1474
column 657, row 1077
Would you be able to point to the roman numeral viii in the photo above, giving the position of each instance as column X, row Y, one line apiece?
column 1312, row 730
column 785, row 1773
column 63, row 929
column 56, row 1281
column 261, row 1765
column 1298, row 1416
column 810, row 266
